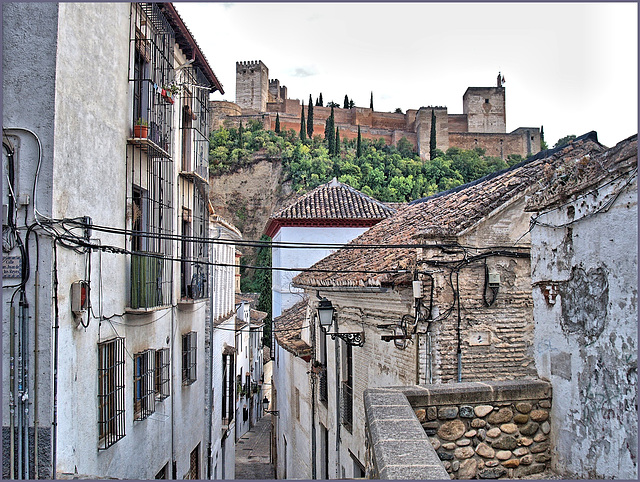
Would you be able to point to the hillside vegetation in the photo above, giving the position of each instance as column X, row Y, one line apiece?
column 387, row 173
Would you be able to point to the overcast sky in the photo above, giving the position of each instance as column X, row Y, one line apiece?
column 570, row 67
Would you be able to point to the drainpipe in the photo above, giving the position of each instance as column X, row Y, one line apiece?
column 36, row 421
column 25, row 396
column 313, row 403
column 459, row 349
column 12, row 393
column 338, row 399
column 56, row 328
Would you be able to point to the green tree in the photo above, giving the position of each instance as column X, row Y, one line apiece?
column 303, row 129
column 432, row 139
column 277, row 123
column 310, row 119
column 398, row 110
column 543, row 144
column 371, row 102
column 564, row 140
column 337, row 146
column 346, row 102
column 240, row 135
column 359, row 144
column 320, row 103
column 333, row 104
column 329, row 133
column 352, row 104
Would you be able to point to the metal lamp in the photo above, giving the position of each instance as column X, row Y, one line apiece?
column 325, row 313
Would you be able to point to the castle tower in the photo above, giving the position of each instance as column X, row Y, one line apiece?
column 252, row 86
column 485, row 109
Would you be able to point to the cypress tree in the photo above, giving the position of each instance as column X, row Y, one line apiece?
column 432, row 139
column 352, row 104
column 277, row 123
column 346, row 102
column 359, row 144
column 337, row 146
column 371, row 103
column 320, row 103
column 310, row 119
column 303, row 128
column 329, row 133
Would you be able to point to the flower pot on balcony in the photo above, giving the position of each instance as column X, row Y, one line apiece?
column 141, row 129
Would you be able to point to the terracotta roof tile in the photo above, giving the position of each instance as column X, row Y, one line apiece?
column 577, row 175
column 335, row 200
column 287, row 329
column 442, row 216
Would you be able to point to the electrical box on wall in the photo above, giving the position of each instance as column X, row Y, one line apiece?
column 494, row 279
column 79, row 297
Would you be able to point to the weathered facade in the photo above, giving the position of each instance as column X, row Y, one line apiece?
column 469, row 317
column 292, row 428
column 481, row 125
column 113, row 355
column 584, row 272
column 220, row 401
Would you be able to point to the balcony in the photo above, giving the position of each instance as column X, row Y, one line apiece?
column 150, row 287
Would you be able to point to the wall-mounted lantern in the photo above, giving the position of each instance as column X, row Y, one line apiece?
column 326, row 314
column 265, row 405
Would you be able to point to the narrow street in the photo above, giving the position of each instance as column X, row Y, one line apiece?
column 252, row 452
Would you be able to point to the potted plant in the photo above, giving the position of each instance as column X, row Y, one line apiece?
column 141, row 128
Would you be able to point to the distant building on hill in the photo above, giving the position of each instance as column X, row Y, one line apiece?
column 482, row 123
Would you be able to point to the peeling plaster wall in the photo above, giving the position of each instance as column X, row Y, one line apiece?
column 585, row 307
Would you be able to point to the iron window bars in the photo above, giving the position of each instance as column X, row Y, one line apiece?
column 194, row 130
column 347, row 406
column 144, row 400
column 111, row 412
column 162, row 374
column 189, row 357
column 149, row 163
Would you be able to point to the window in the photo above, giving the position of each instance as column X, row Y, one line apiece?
column 110, row 392
column 227, row 389
column 323, row 390
column 347, row 390
column 143, row 385
column 194, row 464
column 162, row 377
column 189, row 357
column 164, row 472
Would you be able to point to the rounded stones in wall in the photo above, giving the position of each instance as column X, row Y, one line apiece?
column 539, row 415
column 471, row 433
column 546, row 428
column 447, row 413
column 483, row 450
column 509, row 428
column 503, row 454
column 501, row 416
column 493, row 432
column 511, row 464
column 478, row 423
column 521, row 418
column 523, row 407
column 525, row 441
column 452, row 430
column 482, row 410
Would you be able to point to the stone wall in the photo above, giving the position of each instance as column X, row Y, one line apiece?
column 490, row 432
column 486, row 430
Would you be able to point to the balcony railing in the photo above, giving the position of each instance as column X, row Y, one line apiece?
column 323, row 392
column 148, row 282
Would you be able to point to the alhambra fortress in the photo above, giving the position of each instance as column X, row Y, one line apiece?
column 482, row 123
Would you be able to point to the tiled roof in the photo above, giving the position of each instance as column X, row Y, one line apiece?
column 443, row 215
column 335, row 200
column 257, row 316
column 575, row 176
column 288, row 326
column 251, row 298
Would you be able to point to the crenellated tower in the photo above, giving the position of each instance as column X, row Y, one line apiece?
column 252, row 86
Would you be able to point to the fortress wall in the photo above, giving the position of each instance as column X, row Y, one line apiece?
column 498, row 145
column 458, row 123
column 485, row 109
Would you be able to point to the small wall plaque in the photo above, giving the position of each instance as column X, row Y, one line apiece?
column 11, row 267
column 479, row 338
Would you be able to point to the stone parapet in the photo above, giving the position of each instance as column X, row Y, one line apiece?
column 490, row 430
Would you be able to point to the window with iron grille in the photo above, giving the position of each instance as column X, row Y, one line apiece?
column 111, row 414
column 194, row 464
column 149, row 163
column 347, row 390
column 144, row 400
column 228, row 384
column 189, row 357
column 322, row 379
column 162, row 377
